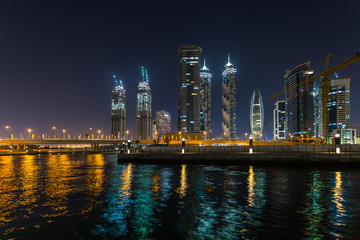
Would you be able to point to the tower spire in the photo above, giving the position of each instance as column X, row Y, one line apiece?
column 229, row 58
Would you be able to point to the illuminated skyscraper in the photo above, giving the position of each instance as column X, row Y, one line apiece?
column 256, row 115
column 205, row 100
column 279, row 121
column 229, row 101
column 162, row 124
column 339, row 104
column 299, row 102
column 143, row 107
column 118, row 110
column 318, row 132
column 189, row 108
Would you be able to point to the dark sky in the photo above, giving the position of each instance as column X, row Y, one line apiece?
column 57, row 58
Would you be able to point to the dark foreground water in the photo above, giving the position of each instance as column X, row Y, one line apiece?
column 91, row 196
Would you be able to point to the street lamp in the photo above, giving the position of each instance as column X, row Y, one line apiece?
column 302, row 138
column 64, row 133
column 29, row 130
column 99, row 131
column 7, row 128
column 127, row 134
column 54, row 128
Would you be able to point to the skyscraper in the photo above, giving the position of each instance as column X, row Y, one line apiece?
column 189, row 108
column 279, row 121
column 162, row 124
column 205, row 100
column 299, row 101
column 143, row 107
column 118, row 110
column 229, row 101
column 339, row 104
column 256, row 115
column 318, row 121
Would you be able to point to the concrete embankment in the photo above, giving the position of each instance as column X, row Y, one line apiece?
column 292, row 156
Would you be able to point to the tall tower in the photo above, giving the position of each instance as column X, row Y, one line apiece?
column 299, row 102
column 339, row 104
column 229, row 101
column 118, row 110
column 256, row 115
column 143, row 107
column 189, row 108
column 279, row 121
column 205, row 100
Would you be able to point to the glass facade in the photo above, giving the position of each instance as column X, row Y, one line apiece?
column 143, row 108
column 189, row 106
column 118, row 110
column 162, row 124
column 299, row 102
column 256, row 115
column 229, row 101
column 205, row 101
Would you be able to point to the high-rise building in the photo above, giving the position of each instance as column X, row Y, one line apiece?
column 143, row 108
column 162, row 124
column 318, row 121
column 229, row 101
column 339, row 104
column 205, row 101
column 299, row 102
column 279, row 121
column 118, row 110
column 189, row 106
column 256, row 115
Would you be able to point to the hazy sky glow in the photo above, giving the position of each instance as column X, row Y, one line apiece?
column 57, row 59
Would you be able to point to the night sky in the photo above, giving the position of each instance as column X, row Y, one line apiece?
column 57, row 58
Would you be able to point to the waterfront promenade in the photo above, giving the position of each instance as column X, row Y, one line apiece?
column 237, row 155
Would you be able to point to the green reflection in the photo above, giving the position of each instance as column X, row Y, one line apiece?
column 314, row 210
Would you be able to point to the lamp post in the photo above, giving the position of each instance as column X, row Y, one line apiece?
column 302, row 138
column 7, row 128
column 99, row 131
column 29, row 130
column 64, row 133
column 183, row 145
column 127, row 134
column 251, row 144
column 54, row 129
column 245, row 136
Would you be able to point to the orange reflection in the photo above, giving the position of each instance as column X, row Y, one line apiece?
column 338, row 198
column 29, row 181
column 251, row 184
column 156, row 185
column 126, row 184
column 183, row 182
column 57, row 185
column 8, row 187
column 95, row 177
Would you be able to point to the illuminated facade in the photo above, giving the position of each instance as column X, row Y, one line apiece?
column 339, row 104
column 205, row 101
column 189, row 107
column 299, row 102
column 279, row 121
column 143, row 108
column 256, row 115
column 162, row 124
column 118, row 110
column 229, row 101
column 317, row 109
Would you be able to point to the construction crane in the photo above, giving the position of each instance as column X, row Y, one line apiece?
column 325, row 86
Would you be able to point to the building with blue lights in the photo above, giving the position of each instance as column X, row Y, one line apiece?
column 143, row 108
column 256, row 115
column 205, row 101
column 189, row 106
column 229, row 101
column 118, row 110
column 339, row 104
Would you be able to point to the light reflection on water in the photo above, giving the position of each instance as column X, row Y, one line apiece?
column 91, row 196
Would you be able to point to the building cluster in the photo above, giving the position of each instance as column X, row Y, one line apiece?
column 145, row 128
column 298, row 116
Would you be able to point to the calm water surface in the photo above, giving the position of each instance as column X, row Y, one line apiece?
column 91, row 196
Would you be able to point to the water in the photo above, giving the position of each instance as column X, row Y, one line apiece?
column 91, row 196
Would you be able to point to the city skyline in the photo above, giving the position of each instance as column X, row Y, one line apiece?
column 56, row 70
